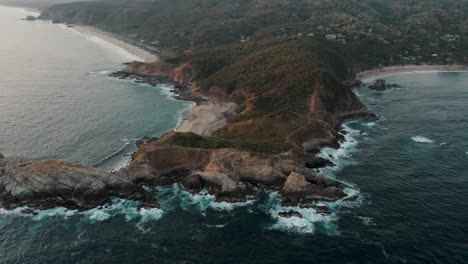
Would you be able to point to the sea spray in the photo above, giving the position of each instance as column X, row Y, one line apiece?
column 421, row 139
column 173, row 197
column 341, row 156
column 306, row 224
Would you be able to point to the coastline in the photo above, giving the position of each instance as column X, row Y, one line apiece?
column 407, row 69
column 137, row 51
column 203, row 118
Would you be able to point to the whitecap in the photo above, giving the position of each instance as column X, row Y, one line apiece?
column 341, row 156
column 152, row 214
column 118, row 206
column 368, row 221
column 98, row 215
column 54, row 212
column 307, row 224
column 200, row 202
column 16, row 211
column 421, row 139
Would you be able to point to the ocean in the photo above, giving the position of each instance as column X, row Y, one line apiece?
column 57, row 101
column 409, row 169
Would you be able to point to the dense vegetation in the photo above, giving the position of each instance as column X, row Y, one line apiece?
column 283, row 62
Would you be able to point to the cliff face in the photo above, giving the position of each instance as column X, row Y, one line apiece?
column 230, row 174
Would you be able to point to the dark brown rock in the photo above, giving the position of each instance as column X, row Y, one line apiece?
column 351, row 198
column 290, row 214
column 323, row 210
column 192, row 183
column 378, row 85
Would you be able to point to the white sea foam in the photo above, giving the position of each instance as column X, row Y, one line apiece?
column 118, row 207
column 122, row 52
column 106, row 44
column 17, row 211
column 341, row 156
column 98, row 215
column 310, row 218
column 54, row 212
column 307, row 224
column 152, row 214
column 199, row 202
column 421, row 139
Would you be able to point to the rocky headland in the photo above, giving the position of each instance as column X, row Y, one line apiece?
column 230, row 169
column 272, row 89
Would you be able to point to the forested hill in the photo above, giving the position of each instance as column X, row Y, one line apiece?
column 389, row 31
column 284, row 63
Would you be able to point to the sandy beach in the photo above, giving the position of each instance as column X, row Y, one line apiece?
column 205, row 118
column 138, row 52
column 202, row 119
column 385, row 71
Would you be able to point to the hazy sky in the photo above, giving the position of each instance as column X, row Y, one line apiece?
column 36, row 3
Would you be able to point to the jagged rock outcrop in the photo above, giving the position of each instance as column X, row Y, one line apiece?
column 47, row 184
column 380, row 85
column 230, row 174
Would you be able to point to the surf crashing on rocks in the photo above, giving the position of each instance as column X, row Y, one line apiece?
column 311, row 219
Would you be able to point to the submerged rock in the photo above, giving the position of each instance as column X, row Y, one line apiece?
column 289, row 214
column 323, row 210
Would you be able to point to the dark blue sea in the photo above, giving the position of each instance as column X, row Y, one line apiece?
column 409, row 169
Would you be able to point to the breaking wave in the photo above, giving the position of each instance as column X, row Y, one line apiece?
column 173, row 197
column 342, row 155
column 421, row 139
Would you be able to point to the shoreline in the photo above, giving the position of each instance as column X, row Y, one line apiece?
column 408, row 69
column 140, row 53
column 203, row 118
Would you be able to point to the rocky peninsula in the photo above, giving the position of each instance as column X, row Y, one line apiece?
column 272, row 89
column 196, row 159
